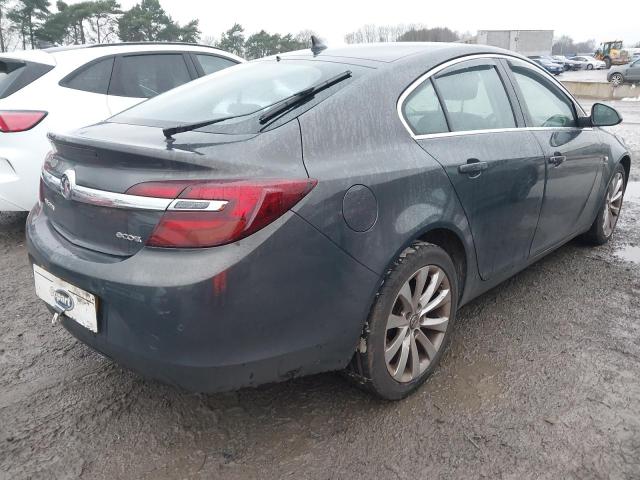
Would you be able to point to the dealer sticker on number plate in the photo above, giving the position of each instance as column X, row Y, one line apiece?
column 67, row 299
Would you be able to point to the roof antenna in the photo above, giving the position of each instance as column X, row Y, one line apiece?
column 317, row 45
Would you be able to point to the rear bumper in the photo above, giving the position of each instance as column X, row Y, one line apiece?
column 283, row 302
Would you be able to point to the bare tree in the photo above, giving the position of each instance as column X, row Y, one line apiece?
column 210, row 40
column 304, row 36
column 384, row 33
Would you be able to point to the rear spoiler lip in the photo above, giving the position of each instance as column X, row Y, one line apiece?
column 30, row 56
column 77, row 140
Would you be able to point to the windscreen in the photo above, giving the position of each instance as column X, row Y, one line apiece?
column 17, row 74
column 9, row 71
column 239, row 90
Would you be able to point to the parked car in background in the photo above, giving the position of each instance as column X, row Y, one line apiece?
column 589, row 63
column 568, row 64
column 548, row 65
column 620, row 74
column 68, row 87
column 316, row 211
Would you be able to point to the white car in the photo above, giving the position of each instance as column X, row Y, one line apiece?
column 66, row 88
column 589, row 63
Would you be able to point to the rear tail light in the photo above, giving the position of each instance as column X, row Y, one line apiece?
column 12, row 121
column 208, row 214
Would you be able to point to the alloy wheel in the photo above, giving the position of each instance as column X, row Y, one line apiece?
column 616, row 79
column 418, row 323
column 613, row 204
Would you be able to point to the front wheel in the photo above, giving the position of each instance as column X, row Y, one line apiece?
column 409, row 325
column 589, row 67
column 607, row 219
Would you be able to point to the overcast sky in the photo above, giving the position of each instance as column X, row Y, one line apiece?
column 331, row 19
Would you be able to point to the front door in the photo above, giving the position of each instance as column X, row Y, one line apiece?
column 464, row 119
column 573, row 156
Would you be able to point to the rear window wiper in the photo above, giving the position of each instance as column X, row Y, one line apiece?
column 300, row 96
column 170, row 132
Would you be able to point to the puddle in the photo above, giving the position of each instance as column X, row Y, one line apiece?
column 629, row 254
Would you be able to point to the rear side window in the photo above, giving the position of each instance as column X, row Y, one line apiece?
column 92, row 78
column 145, row 76
column 211, row 63
column 17, row 74
column 545, row 104
column 423, row 111
column 475, row 99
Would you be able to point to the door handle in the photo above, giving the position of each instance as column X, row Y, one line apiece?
column 473, row 166
column 557, row 160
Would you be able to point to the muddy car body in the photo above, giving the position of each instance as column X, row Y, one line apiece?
column 387, row 184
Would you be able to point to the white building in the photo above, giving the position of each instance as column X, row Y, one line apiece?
column 526, row 42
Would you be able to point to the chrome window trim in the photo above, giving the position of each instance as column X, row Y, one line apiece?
column 103, row 198
column 420, row 80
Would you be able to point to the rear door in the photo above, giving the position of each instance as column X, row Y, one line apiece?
column 633, row 73
column 463, row 117
column 139, row 76
column 87, row 86
column 574, row 156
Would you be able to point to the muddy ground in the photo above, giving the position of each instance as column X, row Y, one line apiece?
column 542, row 381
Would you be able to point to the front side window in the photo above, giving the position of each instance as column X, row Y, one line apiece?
column 475, row 99
column 93, row 78
column 145, row 76
column 423, row 111
column 545, row 104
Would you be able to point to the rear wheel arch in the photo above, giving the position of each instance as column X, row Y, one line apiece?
column 452, row 243
column 626, row 163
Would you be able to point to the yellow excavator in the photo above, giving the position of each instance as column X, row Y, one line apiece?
column 612, row 53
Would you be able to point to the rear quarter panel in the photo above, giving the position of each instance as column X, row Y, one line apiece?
column 365, row 143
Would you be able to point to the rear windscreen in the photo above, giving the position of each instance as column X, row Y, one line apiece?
column 242, row 91
column 17, row 74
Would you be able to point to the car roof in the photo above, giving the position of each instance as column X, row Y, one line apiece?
column 75, row 55
column 379, row 54
column 104, row 49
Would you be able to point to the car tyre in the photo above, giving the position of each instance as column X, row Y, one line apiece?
column 409, row 325
column 605, row 223
column 589, row 67
column 617, row 79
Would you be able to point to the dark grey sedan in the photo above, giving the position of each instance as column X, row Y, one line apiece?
column 319, row 210
column 624, row 73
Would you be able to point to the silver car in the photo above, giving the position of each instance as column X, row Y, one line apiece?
column 589, row 63
column 624, row 73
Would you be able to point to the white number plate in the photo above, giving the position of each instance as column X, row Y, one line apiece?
column 75, row 302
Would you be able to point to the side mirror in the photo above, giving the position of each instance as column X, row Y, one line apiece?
column 604, row 116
